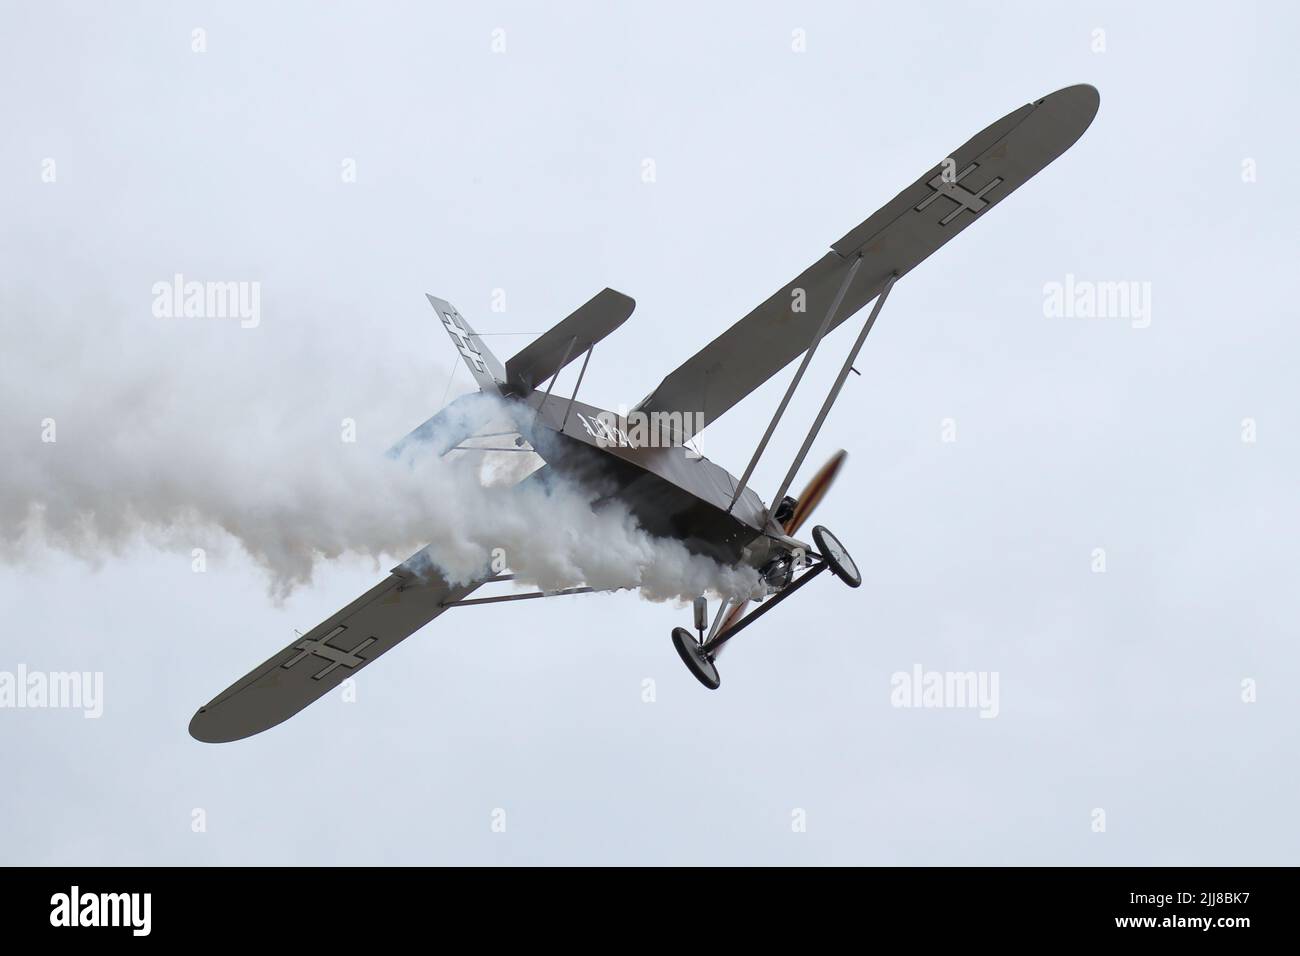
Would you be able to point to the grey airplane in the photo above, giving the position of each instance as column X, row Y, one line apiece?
column 673, row 491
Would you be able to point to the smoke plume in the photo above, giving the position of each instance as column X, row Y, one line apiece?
column 193, row 437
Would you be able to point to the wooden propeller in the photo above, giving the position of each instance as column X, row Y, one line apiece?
column 812, row 495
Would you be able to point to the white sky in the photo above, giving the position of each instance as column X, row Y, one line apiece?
column 522, row 171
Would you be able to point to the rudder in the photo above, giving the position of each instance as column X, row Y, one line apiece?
column 488, row 372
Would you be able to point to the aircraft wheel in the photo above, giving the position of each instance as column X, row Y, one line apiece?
column 837, row 556
column 699, row 664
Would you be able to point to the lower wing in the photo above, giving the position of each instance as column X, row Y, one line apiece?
column 331, row 652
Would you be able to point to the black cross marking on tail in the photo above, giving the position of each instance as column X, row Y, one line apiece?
column 463, row 341
column 336, row 656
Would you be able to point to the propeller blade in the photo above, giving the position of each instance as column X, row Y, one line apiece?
column 812, row 495
column 815, row 491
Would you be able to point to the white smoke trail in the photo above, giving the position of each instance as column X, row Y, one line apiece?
column 551, row 536
column 117, row 449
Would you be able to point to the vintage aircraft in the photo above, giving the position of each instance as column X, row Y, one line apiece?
column 673, row 492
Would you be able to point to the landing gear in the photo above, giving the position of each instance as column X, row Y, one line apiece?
column 696, row 659
column 837, row 556
column 699, row 654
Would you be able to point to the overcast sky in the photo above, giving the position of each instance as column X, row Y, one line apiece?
column 523, row 169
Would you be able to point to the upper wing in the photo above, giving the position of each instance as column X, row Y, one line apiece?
column 892, row 241
column 331, row 652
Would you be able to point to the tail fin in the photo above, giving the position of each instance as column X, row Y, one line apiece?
column 489, row 373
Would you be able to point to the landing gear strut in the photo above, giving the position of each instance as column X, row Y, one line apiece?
column 699, row 655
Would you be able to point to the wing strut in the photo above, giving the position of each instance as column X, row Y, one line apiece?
column 497, row 599
column 574, row 397
column 835, row 391
column 794, row 383
column 556, row 374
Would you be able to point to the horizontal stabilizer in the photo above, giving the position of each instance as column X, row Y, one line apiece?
column 464, row 418
column 545, row 356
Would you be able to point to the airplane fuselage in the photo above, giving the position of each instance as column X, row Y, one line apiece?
column 671, row 490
